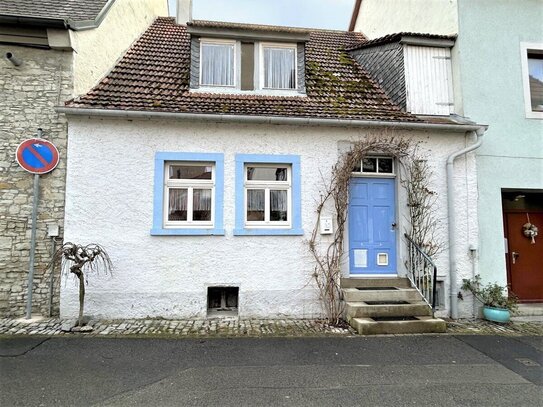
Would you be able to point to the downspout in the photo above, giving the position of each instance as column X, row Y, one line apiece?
column 452, row 218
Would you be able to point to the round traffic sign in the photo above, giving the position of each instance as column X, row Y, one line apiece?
column 37, row 156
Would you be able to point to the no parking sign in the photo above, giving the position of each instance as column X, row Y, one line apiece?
column 37, row 156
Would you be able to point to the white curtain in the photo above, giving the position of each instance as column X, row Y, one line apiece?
column 255, row 200
column 278, row 201
column 201, row 200
column 279, row 68
column 217, row 64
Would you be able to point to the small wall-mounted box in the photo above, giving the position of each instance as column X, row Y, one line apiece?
column 53, row 230
column 327, row 226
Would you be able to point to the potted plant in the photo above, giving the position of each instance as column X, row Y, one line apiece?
column 498, row 303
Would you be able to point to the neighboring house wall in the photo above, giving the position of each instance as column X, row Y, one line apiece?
column 377, row 17
column 167, row 275
column 97, row 50
column 491, row 33
column 385, row 63
column 29, row 94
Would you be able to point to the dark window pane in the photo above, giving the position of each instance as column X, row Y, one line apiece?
column 266, row 173
column 369, row 165
column 535, row 68
column 385, row 165
column 177, row 204
column 190, row 171
column 201, row 204
column 255, row 204
column 278, row 205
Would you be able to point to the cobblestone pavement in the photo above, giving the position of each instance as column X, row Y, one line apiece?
column 185, row 328
column 236, row 328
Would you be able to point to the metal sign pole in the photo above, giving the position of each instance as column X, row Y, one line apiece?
column 32, row 246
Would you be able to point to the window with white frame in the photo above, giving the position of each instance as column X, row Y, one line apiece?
column 375, row 165
column 278, row 66
column 267, row 195
column 189, row 194
column 218, row 63
column 532, row 72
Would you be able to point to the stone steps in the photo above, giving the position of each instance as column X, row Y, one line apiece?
column 369, row 326
column 363, row 309
column 387, row 306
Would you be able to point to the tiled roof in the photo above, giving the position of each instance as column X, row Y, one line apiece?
column 398, row 36
column 251, row 27
column 155, row 72
column 76, row 10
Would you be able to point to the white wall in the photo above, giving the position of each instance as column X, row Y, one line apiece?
column 96, row 50
column 377, row 18
column 110, row 201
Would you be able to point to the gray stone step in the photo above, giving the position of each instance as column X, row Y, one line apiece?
column 362, row 309
column 369, row 326
column 351, row 282
column 380, row 294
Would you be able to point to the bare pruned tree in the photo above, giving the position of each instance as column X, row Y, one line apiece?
column 80, row 260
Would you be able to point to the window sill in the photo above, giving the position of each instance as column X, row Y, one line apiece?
column 268, row 232
column 187, row 232
column 257, row 92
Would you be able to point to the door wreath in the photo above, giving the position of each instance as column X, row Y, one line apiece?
column 530, row 230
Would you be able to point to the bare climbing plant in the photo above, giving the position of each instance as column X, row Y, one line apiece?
column 82, row 260
column 414, row 175
column 424, row 225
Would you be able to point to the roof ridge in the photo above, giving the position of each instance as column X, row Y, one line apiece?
column 251, row 25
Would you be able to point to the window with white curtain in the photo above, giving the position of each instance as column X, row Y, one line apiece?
column 189, row 194
column 278, row 66
column 217, row 63
column 267, row 195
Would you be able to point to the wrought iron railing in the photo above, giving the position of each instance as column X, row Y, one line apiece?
column 422, row 272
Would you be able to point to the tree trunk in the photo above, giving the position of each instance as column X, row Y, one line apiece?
column 81, row 298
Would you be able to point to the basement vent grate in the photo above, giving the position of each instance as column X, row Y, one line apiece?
column 222, row 300
column 376, row 288
column 384, row 319
column 386, row 302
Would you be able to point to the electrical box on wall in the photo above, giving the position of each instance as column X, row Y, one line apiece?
column 327, row 226
column 53, row 230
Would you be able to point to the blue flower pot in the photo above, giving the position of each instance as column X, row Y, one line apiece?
column 501, row 315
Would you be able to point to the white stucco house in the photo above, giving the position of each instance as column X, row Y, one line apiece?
column 198, row 162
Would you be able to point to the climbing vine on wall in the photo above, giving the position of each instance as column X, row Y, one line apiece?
column 414, row 174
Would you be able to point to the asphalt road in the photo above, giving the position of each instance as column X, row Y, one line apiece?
column 348, row 371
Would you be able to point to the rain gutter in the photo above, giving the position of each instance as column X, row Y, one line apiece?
column 294, row 121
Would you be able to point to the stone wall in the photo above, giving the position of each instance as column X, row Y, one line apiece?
column 29, row 94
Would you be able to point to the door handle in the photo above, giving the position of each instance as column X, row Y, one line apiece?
column 514, row 256
column 394, row 225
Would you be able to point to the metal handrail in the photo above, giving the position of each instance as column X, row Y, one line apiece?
column 422, row 273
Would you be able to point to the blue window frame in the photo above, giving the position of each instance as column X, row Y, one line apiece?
column 213, row 227
column 291, row 188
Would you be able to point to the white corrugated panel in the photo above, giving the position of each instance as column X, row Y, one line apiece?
column 428, row 78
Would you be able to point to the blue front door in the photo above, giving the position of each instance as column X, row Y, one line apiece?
column 372, row 226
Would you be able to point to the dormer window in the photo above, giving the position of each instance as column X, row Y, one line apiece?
column 218, row 63
column 278, row 66
column 246, row 59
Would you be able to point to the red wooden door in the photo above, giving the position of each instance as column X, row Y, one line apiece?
column 524, row 258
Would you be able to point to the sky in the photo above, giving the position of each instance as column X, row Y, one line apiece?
column 330, row 14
